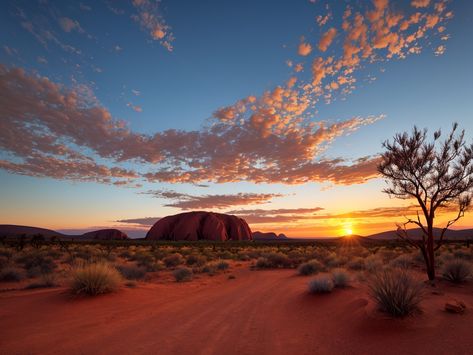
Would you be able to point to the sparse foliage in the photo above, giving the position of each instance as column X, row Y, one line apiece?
column 436, row 175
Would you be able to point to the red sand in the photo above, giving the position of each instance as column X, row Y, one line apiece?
column 260, row 312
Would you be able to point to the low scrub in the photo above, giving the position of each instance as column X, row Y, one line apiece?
column 173, row 260
column 340, row 278
column 94, row 279
column 396, row 292
column 321, row 284
column 183, row 274
column 457, row 270
column 11, row 274
column 132, row 272
column 310, row 267
column 46, row 280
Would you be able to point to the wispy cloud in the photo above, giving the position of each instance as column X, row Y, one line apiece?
column 150, row 18
column 192, row 202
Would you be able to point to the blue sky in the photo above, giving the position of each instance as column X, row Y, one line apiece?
column 223, row 51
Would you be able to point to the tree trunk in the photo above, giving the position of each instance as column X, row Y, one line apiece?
column 430, row 252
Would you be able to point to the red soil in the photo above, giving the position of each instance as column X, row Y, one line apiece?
column 259, row 312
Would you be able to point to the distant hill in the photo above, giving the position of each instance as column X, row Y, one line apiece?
column 268, row 236
column 416, row 233
column 10, row 230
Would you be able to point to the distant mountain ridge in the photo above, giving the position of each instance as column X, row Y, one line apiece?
column 11, row 230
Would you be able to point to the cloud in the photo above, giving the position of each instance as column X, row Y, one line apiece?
column 370, row 34
column 151, row 20
column 145, row 221
column 191, row 202
column 267, row 140
column 420, row 3
column 69, row 25
column 42, row 60
column 304, row 49
column 327, row 39
column 134, row 107
column 279, row 211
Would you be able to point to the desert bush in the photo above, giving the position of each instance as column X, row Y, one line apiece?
column 131, row 272
column 47, row 280
column 321, row 284
column 463, row 254
column 182, row 274
column 11, row 274
column 210, row 269
column 396, row 292
column 340, row 278
column 94, row 279
column 263, row 263
column 196, row 260
column 310, row 267
column 373, row 263
column 173, row 260
column 222, row 265
column 278, row 260
column 36, row 263
column 402, row 261
column 357, row 263
column 456, row 270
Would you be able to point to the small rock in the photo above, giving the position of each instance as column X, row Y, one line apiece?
column 455, row 306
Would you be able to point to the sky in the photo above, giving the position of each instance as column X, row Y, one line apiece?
column 117, row 113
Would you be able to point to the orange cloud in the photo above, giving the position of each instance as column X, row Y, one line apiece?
column 304, row 49
column 327, row 39
column 150, row 18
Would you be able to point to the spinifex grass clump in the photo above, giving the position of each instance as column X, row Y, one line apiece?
column 183, row 274
column 310, row 267
column 457, row 270
column 340, row 278
column 321, row 284
column 94, row 279
column 396, row 292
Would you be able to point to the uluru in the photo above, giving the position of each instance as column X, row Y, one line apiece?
column 200, row 225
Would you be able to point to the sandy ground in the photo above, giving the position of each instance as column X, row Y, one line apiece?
column 259, row 312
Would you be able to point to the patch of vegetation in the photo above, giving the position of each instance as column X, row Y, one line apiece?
column 310, row 267
column 340, row 278
column 132, row 272
column 321, row 284
column 457, row 270
column 94, row 279
column 11, row 274
column 183, row 274
column 396, row 292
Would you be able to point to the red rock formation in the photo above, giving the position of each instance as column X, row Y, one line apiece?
column 200, row 226
column 105, row 234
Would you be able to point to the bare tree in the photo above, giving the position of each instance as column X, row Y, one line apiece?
column 436, row 175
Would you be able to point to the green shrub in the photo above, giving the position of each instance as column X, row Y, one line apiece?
column 94, row 279
column 456, row 270
column 182, row 274
column 396, row 292
column 321, row 284
column 310, row 267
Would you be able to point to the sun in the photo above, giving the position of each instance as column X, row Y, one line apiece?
column 348, row 231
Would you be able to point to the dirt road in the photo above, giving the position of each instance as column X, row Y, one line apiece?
column 259, row 312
